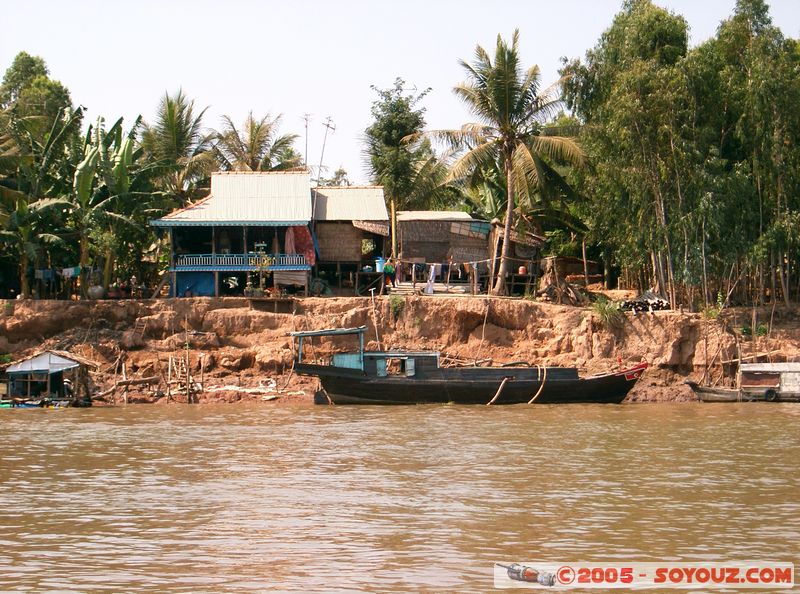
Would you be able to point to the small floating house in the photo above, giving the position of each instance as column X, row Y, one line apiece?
column 50, row 375
column 770, row 381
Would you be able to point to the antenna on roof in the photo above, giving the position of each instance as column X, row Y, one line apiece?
column 329, row 125
column 306, row 119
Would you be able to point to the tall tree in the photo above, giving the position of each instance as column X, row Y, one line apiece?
column 256, row 146
column 511, row 110
column 178, row 141
column 632, row 97
column 405, row 170
column 28, row 91
column 695, row 147
column 391, row 160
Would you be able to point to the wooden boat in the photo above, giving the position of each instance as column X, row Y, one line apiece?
column 416, row 377
column 709, row 394
column 765, row 382
column 36, row 403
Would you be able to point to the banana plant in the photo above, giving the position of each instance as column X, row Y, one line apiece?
column 25, row 168
column 102, row 200
column 23, row 232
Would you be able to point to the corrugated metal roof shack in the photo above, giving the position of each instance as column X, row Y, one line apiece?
column 437, row 237
column 772, row 381
column 252, row 223
column 351, row 224
column 524, row 253
column 49, row 376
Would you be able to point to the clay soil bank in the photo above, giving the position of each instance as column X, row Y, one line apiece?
column 243, row 353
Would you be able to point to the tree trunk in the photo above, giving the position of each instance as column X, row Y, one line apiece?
column 24, row 286
column 772, row 278
column 585, row 264
column 500, row 284
column 394, row 229
column 784, row 279
column 705, row 270
column 84, row 262
column 108, row 268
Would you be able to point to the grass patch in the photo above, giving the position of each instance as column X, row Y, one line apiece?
column 396, row 305
column 608, row 313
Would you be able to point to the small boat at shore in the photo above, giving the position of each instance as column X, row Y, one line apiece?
column 709, row 394
column 36, row 403
column 765, row 382
column 416, row 377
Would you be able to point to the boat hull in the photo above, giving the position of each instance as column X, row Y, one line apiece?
column 706, row 394
column 478, row 386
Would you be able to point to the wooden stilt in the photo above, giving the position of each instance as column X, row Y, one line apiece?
column 125, row 379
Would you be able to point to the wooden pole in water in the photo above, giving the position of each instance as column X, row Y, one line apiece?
column 186, row 346
column 125, row 378
column 169, row 379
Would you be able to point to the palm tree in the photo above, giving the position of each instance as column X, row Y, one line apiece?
column 256, row 147
column 511, row 111
column 550, row 201
column 430, row 186
column 177, row 140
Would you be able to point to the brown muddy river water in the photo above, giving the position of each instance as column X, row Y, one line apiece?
column 426, row 498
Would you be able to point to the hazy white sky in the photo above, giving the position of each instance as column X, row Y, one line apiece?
column 306, row 56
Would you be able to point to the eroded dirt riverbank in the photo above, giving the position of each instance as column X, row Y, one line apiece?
column 244, row 353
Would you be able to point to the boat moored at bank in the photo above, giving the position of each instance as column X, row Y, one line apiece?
column 766, row 382
column 417, row 377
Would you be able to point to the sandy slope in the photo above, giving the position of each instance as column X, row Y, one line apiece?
column 245, row 348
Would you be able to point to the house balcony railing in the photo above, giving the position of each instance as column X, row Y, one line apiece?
column 240, row 262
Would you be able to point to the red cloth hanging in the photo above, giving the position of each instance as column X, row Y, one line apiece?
column 304, row 244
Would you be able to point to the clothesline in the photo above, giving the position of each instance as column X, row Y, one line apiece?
column 49, row 274
column 466, row 263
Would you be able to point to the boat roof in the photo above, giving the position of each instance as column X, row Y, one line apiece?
column 770, row 367
column 330, row 332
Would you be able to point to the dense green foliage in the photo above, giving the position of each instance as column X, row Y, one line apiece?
column 411, row 174
column 694, row 152
column 256, row 146
column 68, row 199
column 678, row 166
